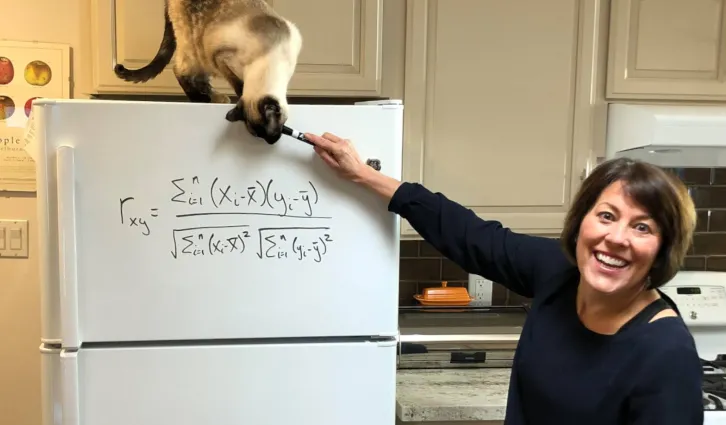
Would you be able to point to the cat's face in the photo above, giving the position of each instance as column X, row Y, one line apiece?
column 265, row 118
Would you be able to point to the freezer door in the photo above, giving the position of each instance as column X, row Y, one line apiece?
column 196, row 230
column 316, row 384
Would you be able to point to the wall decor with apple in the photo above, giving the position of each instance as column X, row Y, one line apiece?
column 28, row 71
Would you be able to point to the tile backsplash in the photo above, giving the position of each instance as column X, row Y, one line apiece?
column 423, row 266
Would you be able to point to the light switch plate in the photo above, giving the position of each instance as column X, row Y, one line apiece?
column 15, row 238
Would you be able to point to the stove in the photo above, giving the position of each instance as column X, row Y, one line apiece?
column 701, row 299
column 714, row 384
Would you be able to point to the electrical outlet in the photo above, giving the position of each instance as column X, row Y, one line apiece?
column 481, row 290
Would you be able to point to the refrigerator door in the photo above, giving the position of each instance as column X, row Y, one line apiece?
column 163, row 221
column 321, row 384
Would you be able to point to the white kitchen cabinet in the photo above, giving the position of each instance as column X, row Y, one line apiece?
column 667, row 50
column 342, row 50
column 502, row 106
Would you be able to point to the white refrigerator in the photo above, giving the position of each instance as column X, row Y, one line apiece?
column 193, row 274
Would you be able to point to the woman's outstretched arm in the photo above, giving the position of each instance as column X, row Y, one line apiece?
column 482, row 247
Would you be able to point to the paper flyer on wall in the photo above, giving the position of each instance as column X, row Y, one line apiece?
column 28, row 71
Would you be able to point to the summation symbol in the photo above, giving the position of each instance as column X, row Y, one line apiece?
column 182, row 196
column 136, row 220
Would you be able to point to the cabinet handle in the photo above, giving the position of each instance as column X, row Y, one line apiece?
column 599, row 160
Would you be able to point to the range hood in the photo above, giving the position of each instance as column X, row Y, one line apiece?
column 668, row 136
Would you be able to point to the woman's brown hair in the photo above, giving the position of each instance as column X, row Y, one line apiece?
column 662, row 194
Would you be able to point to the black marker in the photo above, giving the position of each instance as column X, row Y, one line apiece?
column 295, row 134
column 373, row 163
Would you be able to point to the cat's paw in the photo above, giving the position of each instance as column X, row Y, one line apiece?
column 235, row 114
column 220, row 98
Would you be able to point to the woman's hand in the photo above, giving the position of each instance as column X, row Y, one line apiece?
column 340, row 155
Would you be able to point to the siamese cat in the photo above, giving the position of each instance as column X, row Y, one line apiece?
column 244, row 42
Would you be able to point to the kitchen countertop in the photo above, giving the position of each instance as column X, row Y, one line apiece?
column 428, row 395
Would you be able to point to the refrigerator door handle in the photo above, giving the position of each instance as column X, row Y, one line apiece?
column 67, row 258
column 69, row 399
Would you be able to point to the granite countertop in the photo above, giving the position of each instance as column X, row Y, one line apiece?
column 427, row 395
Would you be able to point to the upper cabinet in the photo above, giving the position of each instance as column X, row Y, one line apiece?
column 341, row 56
column 501, row 105
column 667, row 50
column 341, row 45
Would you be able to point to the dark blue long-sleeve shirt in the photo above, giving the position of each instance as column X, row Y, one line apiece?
column 563, row 373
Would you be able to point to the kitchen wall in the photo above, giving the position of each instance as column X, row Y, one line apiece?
column 422, row 266
column 43, row 21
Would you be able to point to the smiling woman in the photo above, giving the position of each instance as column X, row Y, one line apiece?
column 628, row 231
column 601, row 344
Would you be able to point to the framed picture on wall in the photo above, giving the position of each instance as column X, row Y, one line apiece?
column 28, row 70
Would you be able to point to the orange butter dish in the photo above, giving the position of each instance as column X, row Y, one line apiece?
column 444, row 296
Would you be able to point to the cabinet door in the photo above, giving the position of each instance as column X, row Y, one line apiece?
column 129, row 32
column 499, row 113
column 667, row 49
column 341, row 52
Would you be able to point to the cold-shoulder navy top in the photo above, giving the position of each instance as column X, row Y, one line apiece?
column 563, row 373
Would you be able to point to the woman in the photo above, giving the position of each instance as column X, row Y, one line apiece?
column 601, row 344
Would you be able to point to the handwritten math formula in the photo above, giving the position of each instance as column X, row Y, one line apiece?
column 218, row 198
column 260, row 195
column 298, row 243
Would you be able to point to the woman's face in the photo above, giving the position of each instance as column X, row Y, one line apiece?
column 617, row 243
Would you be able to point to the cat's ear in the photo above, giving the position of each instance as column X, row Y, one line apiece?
column 235, row 114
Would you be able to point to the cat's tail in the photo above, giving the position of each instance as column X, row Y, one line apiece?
column 160, row 61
